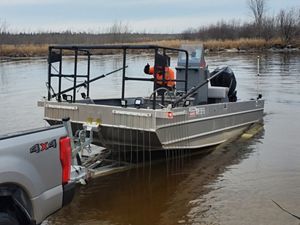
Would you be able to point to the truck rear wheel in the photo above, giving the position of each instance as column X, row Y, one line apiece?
column 8, row 219
column 12, row 212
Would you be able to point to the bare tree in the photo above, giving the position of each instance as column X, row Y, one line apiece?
column 3, row 32
column 3, row 26
column 189, row 34
column 118, row 31
column 287, row 25
column 298, row 23
column 258, row 10
column 268, row 28
column 119, row 28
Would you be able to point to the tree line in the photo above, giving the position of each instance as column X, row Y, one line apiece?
column 117, row 33
column 284, row 25
column 69, row 37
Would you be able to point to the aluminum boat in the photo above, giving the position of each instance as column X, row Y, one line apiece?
column 202, row 110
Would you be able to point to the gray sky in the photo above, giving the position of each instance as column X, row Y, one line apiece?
column 140, row 15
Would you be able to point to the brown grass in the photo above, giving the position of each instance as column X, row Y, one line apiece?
column 243, row 44
column 212, row 45
column 216, row 45
column 23, row 50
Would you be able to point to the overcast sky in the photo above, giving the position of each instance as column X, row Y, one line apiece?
column 170, row 16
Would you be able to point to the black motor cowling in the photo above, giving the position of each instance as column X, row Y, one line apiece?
column 225, row 79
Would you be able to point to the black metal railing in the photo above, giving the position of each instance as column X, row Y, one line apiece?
column 56, row 54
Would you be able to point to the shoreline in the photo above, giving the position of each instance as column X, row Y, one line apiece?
column 211, row 46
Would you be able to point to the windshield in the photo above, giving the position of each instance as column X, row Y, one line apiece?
column 195, row 55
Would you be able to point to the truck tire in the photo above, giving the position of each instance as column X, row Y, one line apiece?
column 8, row 219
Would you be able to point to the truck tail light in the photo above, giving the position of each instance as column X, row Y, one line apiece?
column 65, row 158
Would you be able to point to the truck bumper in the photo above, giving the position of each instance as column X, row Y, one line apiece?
column 68, row 193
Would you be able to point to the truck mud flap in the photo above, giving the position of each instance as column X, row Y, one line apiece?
column 68, row 193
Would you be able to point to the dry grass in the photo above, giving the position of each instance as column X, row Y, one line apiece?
column 212, row 45
column 23, row 50
column 172, row 43
column 243, row 44
column 216, row 45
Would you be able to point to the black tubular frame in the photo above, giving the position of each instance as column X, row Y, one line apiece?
column 56, row 54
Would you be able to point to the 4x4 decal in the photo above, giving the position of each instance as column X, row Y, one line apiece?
column 43, row 146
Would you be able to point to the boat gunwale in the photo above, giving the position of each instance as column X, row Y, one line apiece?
column 208, row 118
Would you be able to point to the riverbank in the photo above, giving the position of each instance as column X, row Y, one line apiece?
column 240, row 45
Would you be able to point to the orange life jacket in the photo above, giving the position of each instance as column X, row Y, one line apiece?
column 169, row 77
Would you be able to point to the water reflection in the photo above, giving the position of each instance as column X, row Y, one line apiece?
column 22, row 85
column 233, row 185
column 286, row 64
column 3, row 80
column 158, row 194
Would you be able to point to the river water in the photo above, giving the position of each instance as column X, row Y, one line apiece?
column 236, row 183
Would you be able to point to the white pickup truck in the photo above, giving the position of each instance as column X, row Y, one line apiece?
column 34, row 175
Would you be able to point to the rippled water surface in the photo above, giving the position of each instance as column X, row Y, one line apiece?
column 234, row 184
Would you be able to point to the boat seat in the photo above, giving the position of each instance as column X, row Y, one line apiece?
column 217, row 92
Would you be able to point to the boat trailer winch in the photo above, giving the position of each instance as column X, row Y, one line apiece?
column 88, row 160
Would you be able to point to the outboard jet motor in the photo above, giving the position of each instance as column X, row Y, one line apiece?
column 225, row 79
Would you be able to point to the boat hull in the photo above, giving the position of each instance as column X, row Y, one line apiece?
column 132, row 129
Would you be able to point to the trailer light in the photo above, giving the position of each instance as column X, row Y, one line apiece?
column 170, row 115
column 65, row 158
